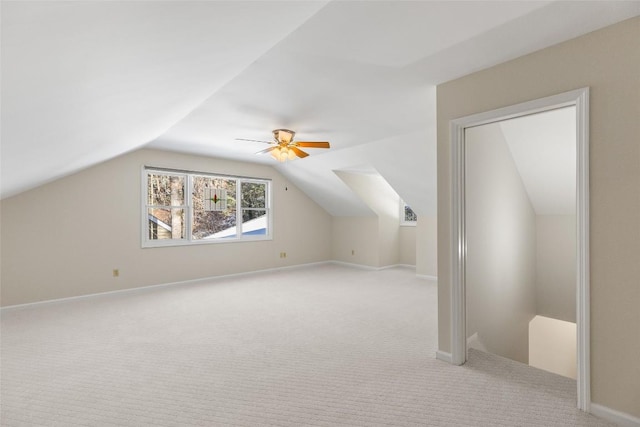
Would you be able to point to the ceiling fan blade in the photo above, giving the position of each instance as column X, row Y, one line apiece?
column 266, row 150
column 254, row 140
column 298, row 152
column 313, row 144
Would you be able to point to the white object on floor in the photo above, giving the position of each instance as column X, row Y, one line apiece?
column 552, row 345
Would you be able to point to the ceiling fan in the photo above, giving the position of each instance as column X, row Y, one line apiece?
column 284, row 148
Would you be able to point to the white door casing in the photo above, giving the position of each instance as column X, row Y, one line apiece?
column 580, row 99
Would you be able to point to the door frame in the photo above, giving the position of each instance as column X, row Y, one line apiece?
column 580, row 99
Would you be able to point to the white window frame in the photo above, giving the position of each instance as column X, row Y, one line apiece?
column 188, row 239
column 403, row 221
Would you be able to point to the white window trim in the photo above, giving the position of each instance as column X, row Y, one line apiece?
column 188, row 207
column 404, row 223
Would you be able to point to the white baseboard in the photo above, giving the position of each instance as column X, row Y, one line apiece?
column 425, row 276
column 444, row 356
column 194, row 282
column 372, row 268
column 162, row 285
column 350, row 264
column 620, row 418
column 397, row 265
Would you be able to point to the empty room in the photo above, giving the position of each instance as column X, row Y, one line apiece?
column 239, row 213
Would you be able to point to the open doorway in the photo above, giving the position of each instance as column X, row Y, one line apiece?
column 578, row 101
column 520, row 218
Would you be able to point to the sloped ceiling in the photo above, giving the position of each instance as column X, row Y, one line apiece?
column 83, row 82
column 543, row 147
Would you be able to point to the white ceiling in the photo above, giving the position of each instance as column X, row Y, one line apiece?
column 83, row 82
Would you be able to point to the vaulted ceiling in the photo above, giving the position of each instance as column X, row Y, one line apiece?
column 543, row 147
column 83, row 82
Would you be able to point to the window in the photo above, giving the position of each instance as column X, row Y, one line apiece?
column 407, row 215
column 184, row 208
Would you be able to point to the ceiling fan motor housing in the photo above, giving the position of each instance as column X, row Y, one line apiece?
column 283, row 136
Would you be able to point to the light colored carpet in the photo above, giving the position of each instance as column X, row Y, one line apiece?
column 325, row 345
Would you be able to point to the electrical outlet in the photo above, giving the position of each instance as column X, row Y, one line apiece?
column 283, row 254
column 116, row 272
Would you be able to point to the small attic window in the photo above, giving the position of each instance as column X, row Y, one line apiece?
column 407, row 216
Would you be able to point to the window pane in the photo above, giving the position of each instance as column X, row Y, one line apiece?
column 214, row 225
column 165, row 224
column 254, row 222
column 165, row 190
column 409, row 214
column 214, row 213
column 254, row 194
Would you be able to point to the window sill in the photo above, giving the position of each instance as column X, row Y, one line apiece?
column 408, row 224
column 171, row 243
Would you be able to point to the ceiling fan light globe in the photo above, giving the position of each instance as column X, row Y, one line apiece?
column 291, row 155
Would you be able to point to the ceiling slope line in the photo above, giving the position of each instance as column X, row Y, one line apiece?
column 481, row 48
column 139, row 134
column 211, row 94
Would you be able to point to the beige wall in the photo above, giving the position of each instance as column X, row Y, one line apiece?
column 407, row 254
column 607, row 61
column 384, row 201
column 355, row 240
column 389, row 240
column 63, row 239
column 427, row 246
column 501, row 246
column 556, row 266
